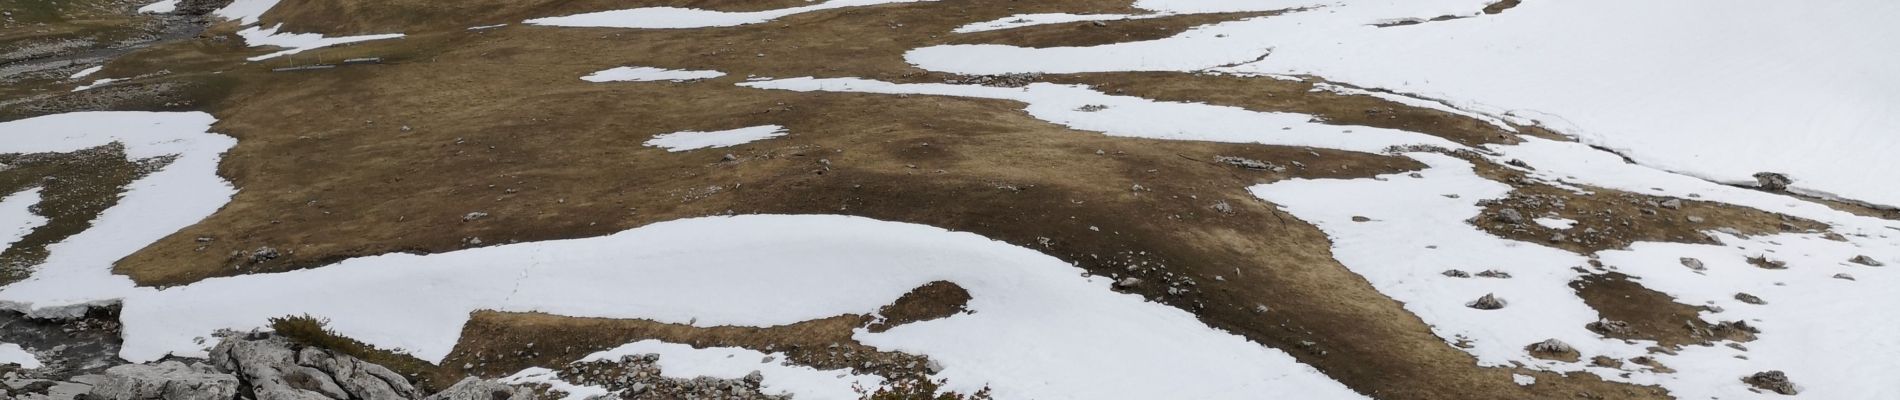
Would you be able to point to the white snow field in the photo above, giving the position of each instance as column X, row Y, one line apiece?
column 12, row 354
column 679, row 18
column 694, row 140
column 649, row 74
column 1715, row 89
column 16, row 216
column 294, row 43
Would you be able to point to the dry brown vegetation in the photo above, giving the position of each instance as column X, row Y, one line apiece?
column 373, row 159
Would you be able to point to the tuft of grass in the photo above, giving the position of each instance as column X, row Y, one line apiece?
column 312, row 331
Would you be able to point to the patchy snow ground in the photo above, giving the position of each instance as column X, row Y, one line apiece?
column 1128, row 116
column 17, row 218
column 678, row 18
column 12, row 354
column 1022, row 20
column 544, row 376
column 1825, row 330
column 78, row 270
column 795, row 268
column 781, row 377
column 1712, row 97
column 294, row 43
column 693, row 140
column 649, row 74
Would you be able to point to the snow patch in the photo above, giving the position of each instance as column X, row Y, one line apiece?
column 649, row 74
column 294, row 43
column 1555, row 223
column 693, row 140
column 160, row 7
column 679, row 18
column 13, row 354
column 246, row 12
column 96, row 83
column 17, row 218
column 86, row 72
column 1081, row 108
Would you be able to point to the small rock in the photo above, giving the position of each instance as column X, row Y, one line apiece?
column 1611, row 327
column 1492, row 273
column 1695, row 219
column 1773, row 181
column 1774, row 381
column 1693, row 264
column 263, row 254
column 1511, row 216
column 1457, row 274
column 1672, row 204
column 1843, row 276
column 481, row 389
column 1488, row 302
column 1750, row 299
column 1765, row 263
column 1865, row 260
column 1356, row 218
column 170, row 380
column 1128, row 282
column 474, row 216
column 1551, row 346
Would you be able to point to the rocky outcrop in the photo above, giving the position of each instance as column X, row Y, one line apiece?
column 277, row 369
column 480, row 389
column 170, row 380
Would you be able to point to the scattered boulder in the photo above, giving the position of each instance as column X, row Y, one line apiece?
column 1492, row 273
column 170, row 380
column 1773, row 181
column 1247, row 163
column 1773, row 381
column 1671, row 204
column 1610, row 327
column 481, row 389
column 263, row 254
column 1128, row 282
column 474, row 216
column 1488, row 302
column 275, row 368
column 1750, row 299
column 1552, row 347
column 1865, row 260
column 1457, row 274
column 1511, row 216
column 1765, row 263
